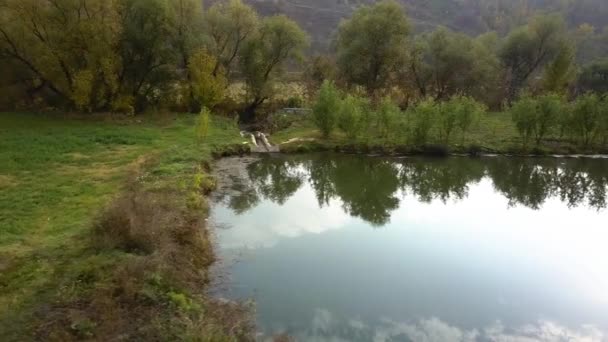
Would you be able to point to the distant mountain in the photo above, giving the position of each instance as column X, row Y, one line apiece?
column 321, row 17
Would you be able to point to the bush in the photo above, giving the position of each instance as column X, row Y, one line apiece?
column 423, row 116
column 294, row 102
column 326, row 108
column 388, row 117
column 604, row 120
column 587, row 117
column 350, row 118
column 468, row 112
column 447, row 118
column 523, row 113
column 548, row 114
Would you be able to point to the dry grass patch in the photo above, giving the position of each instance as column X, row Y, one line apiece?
column 156, row 289
column 7, row 181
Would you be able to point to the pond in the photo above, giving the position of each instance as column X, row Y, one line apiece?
column 360, row 248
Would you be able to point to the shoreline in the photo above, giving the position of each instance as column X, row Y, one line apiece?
column 432, row 151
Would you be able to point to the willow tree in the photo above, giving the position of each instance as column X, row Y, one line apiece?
column 371, row 45
column 529, row 49
column 444, row 63
column 229, row 25
column 60, row 47
column 278, row 41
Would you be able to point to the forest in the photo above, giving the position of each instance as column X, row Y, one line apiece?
column 132, row 55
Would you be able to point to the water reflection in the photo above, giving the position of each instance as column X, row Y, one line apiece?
column 326, row 326
column 491, row 249
column 371, row 190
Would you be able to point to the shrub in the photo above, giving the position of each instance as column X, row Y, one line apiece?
column 326, row 108
column 448, row 118
column 423, row 116
column 604, row 120
column 469, row 112
column 350, row 118
column 294, row 102
column 523, row 113
column 547, row 115
column 388, row 117
column 587, row 117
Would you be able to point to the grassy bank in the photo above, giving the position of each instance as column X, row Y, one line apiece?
column 494, row 132
column 95, row 217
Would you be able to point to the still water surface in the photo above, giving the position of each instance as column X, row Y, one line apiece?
column 354, row 248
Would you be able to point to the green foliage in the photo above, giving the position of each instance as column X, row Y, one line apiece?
column 523, row 113
column 560, row 72
column 326, row 108
column 230, row 24
column 549, row 110
column 207, row 87
column 531, row 47
column 202, row 126
column 388, row 117
column 351, row 116
column 423, row 118
column 278, row 41
column 444, row 63
column 587, row 115
column 182, row 302
column 447, row 118
column 85, row 164
column 371, row 44
column 536, row 117
column 468, row 112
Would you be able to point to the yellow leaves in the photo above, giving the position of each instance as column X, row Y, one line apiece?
column 124, row 104
column 82, row 89
column 208, row 81
column 202, row 126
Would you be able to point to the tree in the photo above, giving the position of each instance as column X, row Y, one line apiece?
column 560, row 72
column 326, row 108
column 278, row 41
column 188, row 28
column 148, row 57
column 444, row 63
column 60, row 50
column 207, row 88
column 371, row 45
column 188, row 35
column 528, row 49
column 229, row 25
column 319, row 68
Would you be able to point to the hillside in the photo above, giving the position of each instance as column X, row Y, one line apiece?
column 321, row 17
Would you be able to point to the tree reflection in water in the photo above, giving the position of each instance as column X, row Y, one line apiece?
column 370, row 187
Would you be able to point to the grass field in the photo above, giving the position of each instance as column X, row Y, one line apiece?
column 56, row 177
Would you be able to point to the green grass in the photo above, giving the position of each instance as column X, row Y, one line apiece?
column 56, row 175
